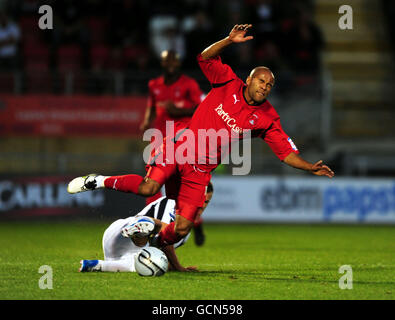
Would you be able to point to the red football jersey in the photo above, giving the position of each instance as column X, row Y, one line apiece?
column 225, row 108
column 184, row 93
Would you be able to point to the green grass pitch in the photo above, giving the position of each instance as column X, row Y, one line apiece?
column 242, row 261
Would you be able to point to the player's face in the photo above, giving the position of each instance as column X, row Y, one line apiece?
column 259, row 86
column 170, row 63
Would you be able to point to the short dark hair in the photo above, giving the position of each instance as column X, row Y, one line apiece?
column 210, row 188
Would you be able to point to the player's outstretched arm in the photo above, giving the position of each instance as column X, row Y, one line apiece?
column 236, row 35
column 318, row 168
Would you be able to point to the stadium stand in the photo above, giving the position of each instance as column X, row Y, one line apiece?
column 361, row 65
column 341, row 81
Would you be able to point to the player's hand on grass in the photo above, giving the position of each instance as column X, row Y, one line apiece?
column 188, row 269
column 320, row 169
column 238, row 33
column 192, row 269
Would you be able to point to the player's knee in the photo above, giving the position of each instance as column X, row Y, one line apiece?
column 149, row 188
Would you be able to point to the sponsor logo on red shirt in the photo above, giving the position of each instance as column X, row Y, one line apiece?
column 230, row 122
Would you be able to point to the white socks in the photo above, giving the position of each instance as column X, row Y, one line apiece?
column 124, row 265
column 100, row 181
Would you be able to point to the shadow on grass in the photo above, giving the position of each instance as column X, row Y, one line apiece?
column 256, row 276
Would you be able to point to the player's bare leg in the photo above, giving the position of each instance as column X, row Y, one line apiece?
column 149, row 187
column 182, row 226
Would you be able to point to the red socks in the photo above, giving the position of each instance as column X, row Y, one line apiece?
column 126, row 183
column 168, row 236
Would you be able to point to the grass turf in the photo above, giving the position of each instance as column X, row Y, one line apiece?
column 253, row 262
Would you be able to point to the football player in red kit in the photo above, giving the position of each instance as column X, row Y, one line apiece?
column 172, row 97
column 231, row 105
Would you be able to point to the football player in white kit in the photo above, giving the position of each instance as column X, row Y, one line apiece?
column 124, row 238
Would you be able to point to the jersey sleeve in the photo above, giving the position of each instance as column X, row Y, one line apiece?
column 280, row 143
column 215, row 71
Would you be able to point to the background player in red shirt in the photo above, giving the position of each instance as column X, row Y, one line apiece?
column 173, row 96
column 231, row 105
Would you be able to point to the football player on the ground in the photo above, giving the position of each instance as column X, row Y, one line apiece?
column 124, row 238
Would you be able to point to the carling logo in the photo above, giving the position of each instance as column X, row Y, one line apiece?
column 18, row 195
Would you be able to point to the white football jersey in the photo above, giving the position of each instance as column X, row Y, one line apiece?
column 163, row 209
column 116, row 246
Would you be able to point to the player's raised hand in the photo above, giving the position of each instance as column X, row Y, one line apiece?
column 320, row 169
column 238, row 33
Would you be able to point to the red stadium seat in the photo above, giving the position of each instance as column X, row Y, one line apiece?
column 134, row 52
column 99, row 56
column 7, row 82
column 115, row 59
column 32, row 66
column 30, row 32
column 36, row 57
column 97, row 27
column 40, row 81
column 79, row 83
column 69, row 58
column 36, row 50
column 31, row 37
column 28, row 23
column 133, row 55
column 286, row 25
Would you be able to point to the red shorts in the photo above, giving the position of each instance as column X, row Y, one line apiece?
column 184, row 183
